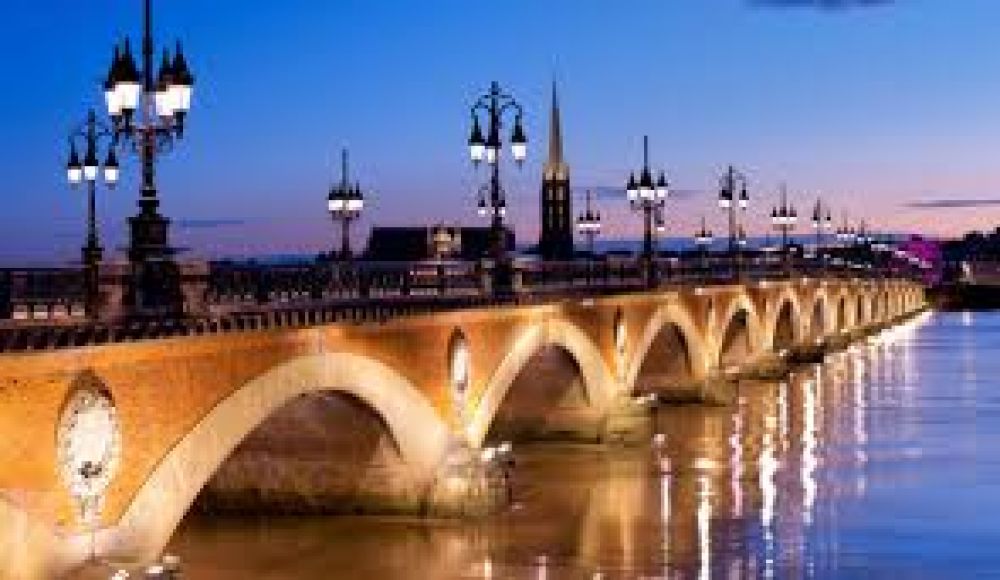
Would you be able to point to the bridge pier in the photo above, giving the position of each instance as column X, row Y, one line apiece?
column 628, row 421
column 469, row 482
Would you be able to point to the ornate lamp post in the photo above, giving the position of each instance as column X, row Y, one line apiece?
column 845, row 233
column 148, row 111
column 345, row 204
column 822, row 221
column 492, row 201
column 881, row 251
column 741, row 239
column 648, row 197
column 733, row 198
column 589, row 224
column 784, row 217
column 846, row 237
column 863, row 241
column 91, row 132
column 703, row 239
column 863, row 238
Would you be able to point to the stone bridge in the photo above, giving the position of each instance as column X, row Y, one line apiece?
column 336, row 412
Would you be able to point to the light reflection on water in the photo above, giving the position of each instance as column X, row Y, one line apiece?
column 884, row 461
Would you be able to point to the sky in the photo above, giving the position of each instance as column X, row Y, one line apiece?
column 888, row 110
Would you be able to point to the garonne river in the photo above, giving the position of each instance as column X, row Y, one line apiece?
column 883, row 462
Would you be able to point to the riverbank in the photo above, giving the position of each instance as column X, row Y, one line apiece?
column 957, row 297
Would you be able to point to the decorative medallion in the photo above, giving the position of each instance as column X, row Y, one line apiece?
column 88, row 444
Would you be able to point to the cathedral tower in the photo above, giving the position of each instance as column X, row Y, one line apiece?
column 556, row 241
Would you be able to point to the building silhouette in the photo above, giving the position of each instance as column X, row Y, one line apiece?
column 556, row 239
column 415, row 243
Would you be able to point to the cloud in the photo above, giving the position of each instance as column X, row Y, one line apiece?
column 821, row 4
column 953, row 203
column 207, row 224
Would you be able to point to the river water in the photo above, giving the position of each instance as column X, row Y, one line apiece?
column 882, row 462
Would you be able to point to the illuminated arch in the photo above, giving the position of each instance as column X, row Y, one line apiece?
column 842, row 315
column 741, row 304
column 823, row 315
column 598, row 379
column 786, row 301
column 421, row 437
column 665, row 317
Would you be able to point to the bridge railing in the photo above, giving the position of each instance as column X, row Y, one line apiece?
column 58, row 293
column 252, row 285
column 41, row 295
column 631, row 274
column 43, row 308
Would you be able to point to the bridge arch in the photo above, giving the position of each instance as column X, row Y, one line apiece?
column 822, row 317
column 670, row 339
column 418, row 431
column 738, row 334
column 841, row 317
column 784, row 321
column 598, row 381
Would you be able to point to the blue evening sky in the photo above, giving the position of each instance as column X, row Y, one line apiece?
column 874, row 108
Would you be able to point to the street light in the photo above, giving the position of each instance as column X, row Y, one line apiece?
column 589, row 224
column 784, row 217
column 733, row 198
column 845, row 233
column 863, row 241
column 148, row 111
column 881, row 250
column 822, row 220
column 345, row 204
column 863, row 238
column 491, row 198
column 91, row 132
column 703, row 239
column 648, row 197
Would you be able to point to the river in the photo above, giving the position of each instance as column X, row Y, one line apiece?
column 882, row 462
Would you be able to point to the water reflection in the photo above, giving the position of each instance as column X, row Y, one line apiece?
column 768, row 467
column 800, row 478
column 809, row 444
column 665, row 520
column 704, row 527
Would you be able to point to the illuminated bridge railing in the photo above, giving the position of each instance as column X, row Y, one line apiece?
column 42, row 294
column 43, row 308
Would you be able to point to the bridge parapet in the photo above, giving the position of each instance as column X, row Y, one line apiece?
column 44, row 308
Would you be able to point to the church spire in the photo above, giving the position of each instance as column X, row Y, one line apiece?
column 555, row 131
column 555, row 166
